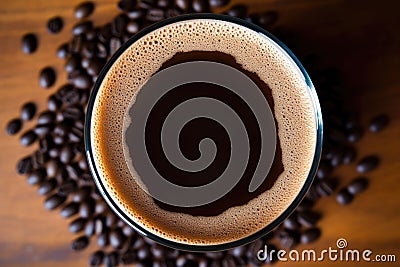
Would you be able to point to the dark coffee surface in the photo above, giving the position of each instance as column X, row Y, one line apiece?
column 200, row 128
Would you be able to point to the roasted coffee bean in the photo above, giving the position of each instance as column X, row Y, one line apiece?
column 54, row 152
column 354, row 134
column 43, row 129
column 105, row 33
column 367, row 164
column 77, row 225
column 75, row 46
column 68, row 187
column 82, row 81
column 80, row 243
column 75, row 135
column 101, row 50
column 172, row 12
column 344, row 197
column 85, row 62
column 53, row 103
column 349, row 155
column 89, row 50
column 102, row 239
column 28, row 111
column 326, row 187
column 46, row 117
column 39, row 159
column 111, row 219
column 155, row 14
column 201, row 6
column 378, row 123
column 82, row 193
column 55, row 25
column 111, row 259
column 13, row 126
column 129, row 257
column 70, row 210
column 358, row 185
column 324, row 170
column 54, row 201
column 29, row 43
column 115, row 44
column 62, row 175
column 310, row 235
column 265, row 19
column 100, row 225
column 143, row 253
column 71, row 97
column 100, row 207
column 87, row 208
column 132, row 27
column 118, row 25
column 47, row 77
column 28, row 138
column 139, row 242
column 288, row 238
column 308, row 218
column 82, row 27
column 84, row 10
column 164, row 3
column 127, row 5
column 337, row 157
column 63, row 51
column 66, row 154
column 218, row 3
column 147, row 4
column 291, row 223
column 72, row 112
column 95, row 66
column 47, row 186
column 59, row 117
column 36, row 177
column 352, row 121
column 61, row 129
column 117, row 239
column 238, row 10
column 238, row 251
column 52, row 166
column 84, row 96
column 228, row 261
column 97, row 258
column 65, row 88
column 46, row 143
column 72, row 63
column 157, row 251
column 89, row 228
column 183, row 4
column 24, row 165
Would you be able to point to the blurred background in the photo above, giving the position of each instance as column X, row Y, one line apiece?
column 359, row 39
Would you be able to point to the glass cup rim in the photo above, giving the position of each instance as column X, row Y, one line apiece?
column 175, row 244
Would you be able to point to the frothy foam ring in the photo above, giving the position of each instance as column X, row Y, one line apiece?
column 293, row 111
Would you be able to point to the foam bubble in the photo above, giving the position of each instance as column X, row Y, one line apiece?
column 293, row 111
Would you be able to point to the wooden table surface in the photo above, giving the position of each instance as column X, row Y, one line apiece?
column 360, row 38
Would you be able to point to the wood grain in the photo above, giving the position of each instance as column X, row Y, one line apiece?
column 361, row 38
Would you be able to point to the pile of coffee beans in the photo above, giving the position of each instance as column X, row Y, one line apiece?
column 59, row 169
